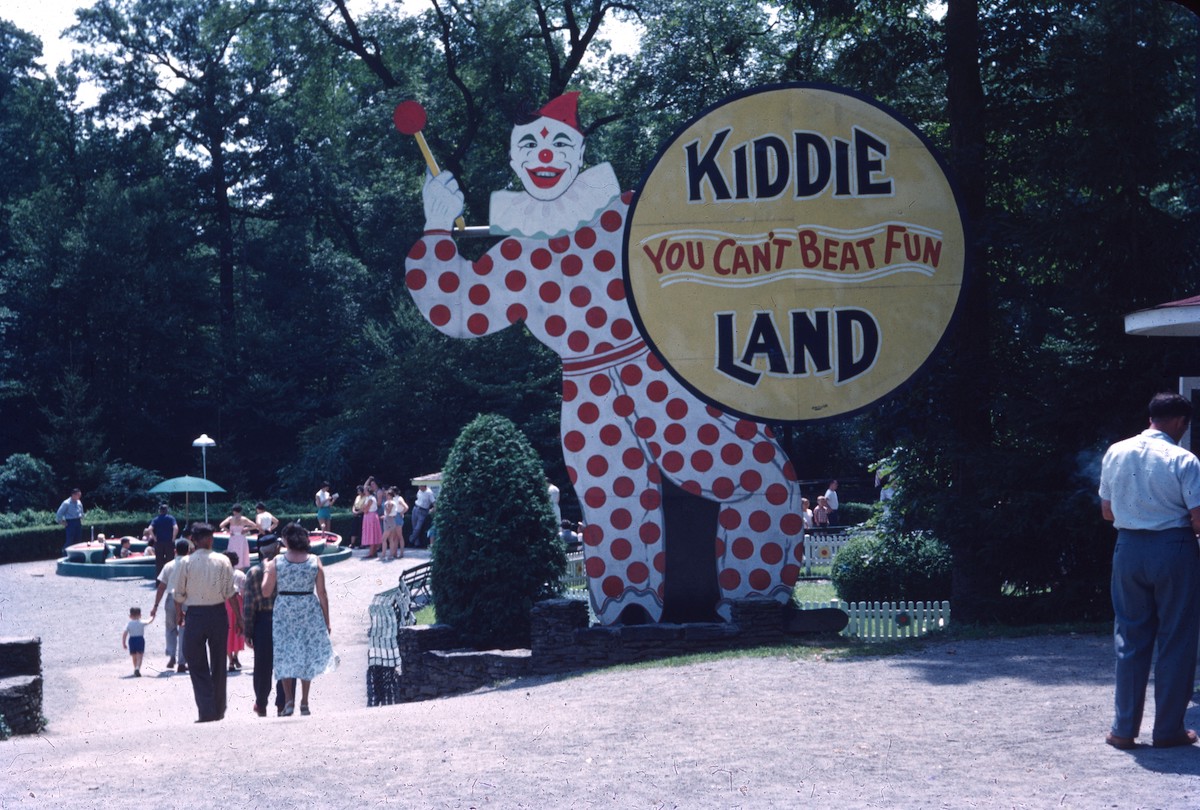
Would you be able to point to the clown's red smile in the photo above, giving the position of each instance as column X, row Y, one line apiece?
column 545, row 176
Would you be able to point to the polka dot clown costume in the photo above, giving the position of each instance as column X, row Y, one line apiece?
column 626, row 422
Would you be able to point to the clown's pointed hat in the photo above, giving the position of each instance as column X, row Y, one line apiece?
column 565, row 108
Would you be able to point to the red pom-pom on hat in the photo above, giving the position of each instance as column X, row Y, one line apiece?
column 565, row 108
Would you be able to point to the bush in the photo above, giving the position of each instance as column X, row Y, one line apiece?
column 908, row 567
column 26, row 482
column 852, row 514
column 497, row 549
column 125, row 488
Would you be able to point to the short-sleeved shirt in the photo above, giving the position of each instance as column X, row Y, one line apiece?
column 204, row 578
column 1151, row 482
column 163, row 527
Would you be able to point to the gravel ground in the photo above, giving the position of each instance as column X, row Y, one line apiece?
column 988, row 723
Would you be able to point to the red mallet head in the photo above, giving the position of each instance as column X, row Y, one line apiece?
column 409, row 117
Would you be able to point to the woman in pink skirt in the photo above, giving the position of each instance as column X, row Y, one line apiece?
column 372, row 533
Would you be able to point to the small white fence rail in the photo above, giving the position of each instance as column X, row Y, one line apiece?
column 886, row 621
column 821, row 547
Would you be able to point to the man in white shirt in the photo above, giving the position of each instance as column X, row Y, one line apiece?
column 831, row 499
column 422, row 507
column 166, row 588
column 1150, row 490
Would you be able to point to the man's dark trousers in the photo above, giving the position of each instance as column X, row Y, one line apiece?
column 264, row 661
column 205, row 639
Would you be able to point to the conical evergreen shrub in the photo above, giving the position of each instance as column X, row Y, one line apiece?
column 497, row 549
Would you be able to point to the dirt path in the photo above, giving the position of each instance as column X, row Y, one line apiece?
column 994, row 723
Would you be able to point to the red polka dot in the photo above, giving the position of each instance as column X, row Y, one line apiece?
column 571, row 265
column 417, row 251
column 660, row 562
column 612, row 587
column 540, row 259
column 574, row 441
column 768, row 431
column 760, row 521
column 445, row 250
column 772, row 553
column 653, row 363
column 745, row 429
column 672, row 461
column 691, row 486
column 515, row 281
column 477, row 324
column 623, row 486
column 556, row 325
column 600, row 384
column 572, row 475
column 595, row 497
column 621, row 549
column 708, row 434
column 653, row 474
column 621, row 519
column 791, row 524
column 594, row 566
column 610, row 435
column 731, row 454
column 723, row 488
column 569, row 390
column 637, row 572
column 439, row 315
column 718, row 548
column 593, row 535
column 790, row 574
column 759, row 580
column 616, row 289
column 729, row 519
column 578, row 342
column 742, row 548
column 751, row 480
column 675, row 433
column 797, row 550
column 631, row 375
column 580, row 296
column 596, row 317
column 649, row 533
column 516, row 312
column 730, row 579
column 702, row 461
column 479, row 295
column 415, row 279
column 622, row 329
column 510, row 249
column 604, row 261
column 657, row 391
column 585, row 237
column 789, row 472
column 764, row 452
column 603, row 346
column 483, row 265
column 777, row 494
column 448, row 282
column 677, row 408
column 560, row 244
column 597, row 466
column 611, row 221
column 549, row 292
column 633, row 459
column 589, row 412
column 645, row 427
column 650, row 499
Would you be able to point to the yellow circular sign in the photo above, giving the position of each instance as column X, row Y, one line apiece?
column 795, row 253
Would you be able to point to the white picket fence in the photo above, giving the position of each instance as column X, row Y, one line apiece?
column 821, row 547
column 886, row 621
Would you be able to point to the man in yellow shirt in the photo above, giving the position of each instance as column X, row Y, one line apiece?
column 204, row 585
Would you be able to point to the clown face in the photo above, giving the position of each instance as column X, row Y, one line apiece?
column 547, row 155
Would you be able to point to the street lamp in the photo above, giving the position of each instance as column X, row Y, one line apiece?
column 204, row 442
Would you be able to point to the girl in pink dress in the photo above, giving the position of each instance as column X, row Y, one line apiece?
column 372, row 533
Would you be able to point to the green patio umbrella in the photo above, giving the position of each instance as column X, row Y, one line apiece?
column 186, row 484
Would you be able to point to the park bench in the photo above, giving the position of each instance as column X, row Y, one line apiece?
column 416, row 579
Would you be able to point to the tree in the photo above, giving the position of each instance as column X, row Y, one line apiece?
column 497, row 550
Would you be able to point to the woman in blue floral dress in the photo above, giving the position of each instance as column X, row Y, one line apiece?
column 301, row 617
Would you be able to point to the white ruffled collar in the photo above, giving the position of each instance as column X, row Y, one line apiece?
column 516, row 213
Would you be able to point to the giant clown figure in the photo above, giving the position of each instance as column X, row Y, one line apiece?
column 626, row 422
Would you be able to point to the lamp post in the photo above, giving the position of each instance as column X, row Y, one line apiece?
column 204, row 442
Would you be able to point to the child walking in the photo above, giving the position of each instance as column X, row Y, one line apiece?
column 134, row 639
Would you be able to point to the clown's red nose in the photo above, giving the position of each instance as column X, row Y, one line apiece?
column 545, row 156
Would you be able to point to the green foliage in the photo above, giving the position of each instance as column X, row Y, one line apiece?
column 909, row 567
column 26, row 482
column 497, row 549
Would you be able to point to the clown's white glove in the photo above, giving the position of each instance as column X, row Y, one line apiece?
column 443, row 201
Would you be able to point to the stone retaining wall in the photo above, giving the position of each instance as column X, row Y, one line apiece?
column 433, row 665
column 21, row 685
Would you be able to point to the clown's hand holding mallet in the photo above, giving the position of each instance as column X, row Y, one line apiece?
column 442, row 198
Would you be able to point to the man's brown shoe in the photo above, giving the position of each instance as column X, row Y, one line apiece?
column 1123, row 743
